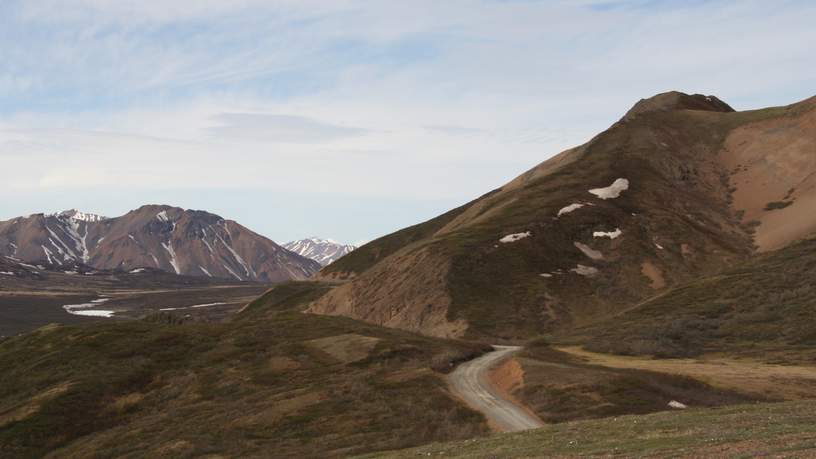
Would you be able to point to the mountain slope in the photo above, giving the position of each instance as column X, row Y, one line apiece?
column 652, row 202
column 760, row 309
column 323, row 251
column 181, row 241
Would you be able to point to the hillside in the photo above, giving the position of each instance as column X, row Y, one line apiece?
column 272, row 381
column 659, row 199
column 760, row 309
column 189, row 242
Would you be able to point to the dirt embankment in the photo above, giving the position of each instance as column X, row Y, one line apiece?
column 773, row 176
column 405, row 291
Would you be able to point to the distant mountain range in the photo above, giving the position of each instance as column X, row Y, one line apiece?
column 189, row 242
column 324, row 251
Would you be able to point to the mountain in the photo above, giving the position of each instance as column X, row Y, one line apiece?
column 323, row 251
column 172, row 239
column 680, row 188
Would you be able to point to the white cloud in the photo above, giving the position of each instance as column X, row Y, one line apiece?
column 410, row 100
column 280, row 128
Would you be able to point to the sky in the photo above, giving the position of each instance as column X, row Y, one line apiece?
column 351, row 119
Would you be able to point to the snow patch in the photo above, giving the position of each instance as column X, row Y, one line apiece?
column 162, row 216
column 545, row 275
column 677, row 405
column 612, row 191
column 169, row 248
column 515, row 237
column 206, row 305
column 610, row 234
column 48, row 254
column 137, row 270
column 94, row 313
column 83, row 309
column 233, row 273
column 570, row 208
column 204, row 271
column 6, row 273
column 589, row 251
column 249, row 272
column 582, row 270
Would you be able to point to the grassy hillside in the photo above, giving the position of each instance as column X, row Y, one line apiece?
column 273, row 380
column 560, row 387
column 761, row 309
column 767, row 430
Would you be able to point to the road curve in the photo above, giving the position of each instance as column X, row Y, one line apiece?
column 470, row 382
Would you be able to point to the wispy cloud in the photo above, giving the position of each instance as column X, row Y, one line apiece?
column 279, row 128
column 406, row 101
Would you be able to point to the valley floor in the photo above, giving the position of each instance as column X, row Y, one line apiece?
column 26, row 310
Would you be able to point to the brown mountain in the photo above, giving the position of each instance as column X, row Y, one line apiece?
column 189, row 242
column 681, row 187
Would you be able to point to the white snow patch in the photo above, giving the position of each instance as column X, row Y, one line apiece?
column 677, row 405
column 162, row 216
column 249, row 272
column 204, row 271
column 570, row 208
column 169, row 248
column 610, row 234
column 70, row 272
column 209, row 247
column 48, row 254
column 545, row 275
column 93, row 313
column 589, row 251
column 207, row 305
column 660, row 247
column 83, row 309
column 6, row 273
column 582, row 270
column 137, row 270
column 80, row 241
column 515, row 237
column 233, row 273
column 612, row 191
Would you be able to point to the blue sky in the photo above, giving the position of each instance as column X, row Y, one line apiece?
column 348, row 119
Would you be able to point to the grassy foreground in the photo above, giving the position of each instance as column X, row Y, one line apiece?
column 776, row 430
column 274, row 382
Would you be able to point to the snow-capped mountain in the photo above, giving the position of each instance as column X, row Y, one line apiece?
column 74, row 214
column 172, row 239
column 324, row 251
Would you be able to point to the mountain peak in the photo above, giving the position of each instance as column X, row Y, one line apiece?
column 676, row 100
column 324, row 251
column 74, row 214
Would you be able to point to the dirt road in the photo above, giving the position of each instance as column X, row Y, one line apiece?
column 471, row 383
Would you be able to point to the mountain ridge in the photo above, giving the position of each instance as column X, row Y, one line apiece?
column 324, row 251
column 190, row 242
